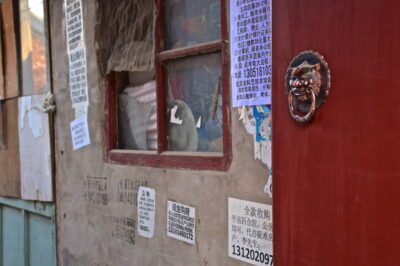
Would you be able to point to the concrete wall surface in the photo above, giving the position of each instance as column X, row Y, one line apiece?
column 93, row 197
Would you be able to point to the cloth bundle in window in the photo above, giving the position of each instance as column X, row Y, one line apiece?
column 138, row 117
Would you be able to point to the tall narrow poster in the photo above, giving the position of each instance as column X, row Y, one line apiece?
column 76, row 53
column 250, row 46
column 146, row 199
column 78, row 84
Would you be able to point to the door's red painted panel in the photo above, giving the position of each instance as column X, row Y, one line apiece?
column 337, row 180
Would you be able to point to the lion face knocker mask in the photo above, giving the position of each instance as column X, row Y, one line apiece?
column 307, row 84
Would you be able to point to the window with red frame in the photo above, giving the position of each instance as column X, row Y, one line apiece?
column 175, row 114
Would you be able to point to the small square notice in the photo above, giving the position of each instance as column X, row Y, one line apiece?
column 80, row 133
column 181, row 222
column 146, row 211
column 250, row 232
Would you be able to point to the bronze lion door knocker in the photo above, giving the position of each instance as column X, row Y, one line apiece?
column 307, row 83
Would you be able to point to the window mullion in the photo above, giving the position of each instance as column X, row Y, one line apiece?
column 161, row 109
column 160, row 83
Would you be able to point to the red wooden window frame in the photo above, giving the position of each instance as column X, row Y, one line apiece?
column 163, row 158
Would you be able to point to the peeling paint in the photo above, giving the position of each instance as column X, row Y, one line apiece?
column 34, row 149
column 25, row 105
column 262, row 151
column 35, row 122
column 248, row 120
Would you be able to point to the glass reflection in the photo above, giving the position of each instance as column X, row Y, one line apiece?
column 189, row 22
column 34, row 53
column 195, row 104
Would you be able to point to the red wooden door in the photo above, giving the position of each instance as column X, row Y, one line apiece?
column 337, row 180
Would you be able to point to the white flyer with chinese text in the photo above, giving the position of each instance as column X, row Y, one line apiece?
column 250, row 232
column 181, row 222
column 146, row 211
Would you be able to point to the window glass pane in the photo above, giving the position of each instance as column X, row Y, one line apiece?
column 195, row 104
column 33, row 47
column 137, row 112
column 191, row 22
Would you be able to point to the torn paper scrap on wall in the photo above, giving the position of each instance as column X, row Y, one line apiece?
column 25, row 104
column 34, row 116
column 260, row 113
column 257, row 122
column 268, row 186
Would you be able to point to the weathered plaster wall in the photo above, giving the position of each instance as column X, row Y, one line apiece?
column 87, row 229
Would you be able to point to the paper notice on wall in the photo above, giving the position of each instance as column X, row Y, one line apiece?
column 81, row 110
column 181, row 222
column 76, row 53
column 146, row 211
column 74, row 24
column 77, row 76
column 250, row 232
column 80, row 133
column 250, row 45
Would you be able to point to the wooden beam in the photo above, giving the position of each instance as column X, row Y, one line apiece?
column 10, row 58
column 204, row 48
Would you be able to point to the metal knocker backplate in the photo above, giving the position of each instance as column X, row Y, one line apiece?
column 307, row 82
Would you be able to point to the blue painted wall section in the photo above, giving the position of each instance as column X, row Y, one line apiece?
column 260, row 116
column 27, row 233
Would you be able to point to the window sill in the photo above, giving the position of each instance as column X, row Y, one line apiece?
column 182, row 160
